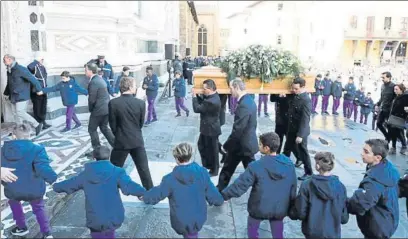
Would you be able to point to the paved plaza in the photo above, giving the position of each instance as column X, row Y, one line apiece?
column 342, row 137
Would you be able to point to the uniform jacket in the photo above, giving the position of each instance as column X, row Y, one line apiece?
column 317, row 85
column 322, row 206
column 33, row 169
column 243, row 140
column 19, row 82
column 266, row 176
column 337, row 89
column 98, row 96
column 68, row 90
column 350, row 91
column 179, row 87
column 327, row 84
column 188, row 188
column 375, row 203
column 359, row 97
column 101, row 181
column 39, row 72
column 387, row 96
column 126, row 117
column 152, row 85
column 367, row 106
column 209, row 109
column 299, row 115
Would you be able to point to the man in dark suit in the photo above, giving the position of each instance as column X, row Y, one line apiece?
column 98, row 99
column 126, row 117
column 281, row 116
column 300, row 109
column 242, row 144
column 39, row 101
column 209, row 107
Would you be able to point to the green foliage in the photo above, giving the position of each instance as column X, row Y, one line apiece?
column 257, row 61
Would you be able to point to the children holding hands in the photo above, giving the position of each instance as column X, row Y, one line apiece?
column 273, row 181
column 321, row 204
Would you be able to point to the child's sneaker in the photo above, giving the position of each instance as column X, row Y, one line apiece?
column 77, row 126
column 65, row 130
column 19, row 231
column 47, row 235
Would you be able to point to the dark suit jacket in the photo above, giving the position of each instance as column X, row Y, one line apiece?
column 299, row 115
column 224, row 99
column 281, row 109
column 126, row 117
column 209, row 109
column 243, row 140
column 98, row 98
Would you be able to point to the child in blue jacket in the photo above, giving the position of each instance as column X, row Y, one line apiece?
column 101, row 181
column 69, row 90
column 322, row 201
column 32, row 168
column 179, row 86
column 375, row 202
column 273, row 181
column 188, row 188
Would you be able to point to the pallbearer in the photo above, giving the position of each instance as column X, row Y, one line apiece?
column 209, row 106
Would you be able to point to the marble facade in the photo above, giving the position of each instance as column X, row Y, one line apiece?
column 69, row 33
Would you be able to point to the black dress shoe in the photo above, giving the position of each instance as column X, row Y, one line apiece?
column 304, row 177
column 38, row 129
column 46, row 126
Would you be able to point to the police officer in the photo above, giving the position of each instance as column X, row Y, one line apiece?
column 299, row 126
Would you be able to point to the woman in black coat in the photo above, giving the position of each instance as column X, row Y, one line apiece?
column 397, row 109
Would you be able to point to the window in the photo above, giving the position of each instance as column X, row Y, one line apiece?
column 353, row 22
column 404, row 23
column 141, row 46
column 44, row 40
column 387, row 23
column 370, row 24
column 35, row 41
column 279, row 40
column 280, row 6
column 32, row 3
column 152, row 47
column 202, row 41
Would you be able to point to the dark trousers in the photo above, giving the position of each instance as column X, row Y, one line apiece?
column 209, row 152
column 228, row 169
column 39, row 107
column 374, row 122
column 382, row 117
column 396, row 133
column 118, row 158
column 363, row 118
column 280, row 130
column 101, row 122
column 299, row 150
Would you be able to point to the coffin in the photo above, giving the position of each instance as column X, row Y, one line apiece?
column 253, row 86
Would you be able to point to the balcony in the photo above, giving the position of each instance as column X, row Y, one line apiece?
column 362, row 34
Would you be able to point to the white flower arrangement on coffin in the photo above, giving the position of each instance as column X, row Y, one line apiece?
column 261, row 62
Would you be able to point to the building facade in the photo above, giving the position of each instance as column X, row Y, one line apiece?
column 70, row 33
column 376, row 35
column 188, row 27
column 207, row 36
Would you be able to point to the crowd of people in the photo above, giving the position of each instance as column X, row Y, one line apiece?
column 321, row 203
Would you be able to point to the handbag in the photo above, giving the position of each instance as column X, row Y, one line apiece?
column 396, row 122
